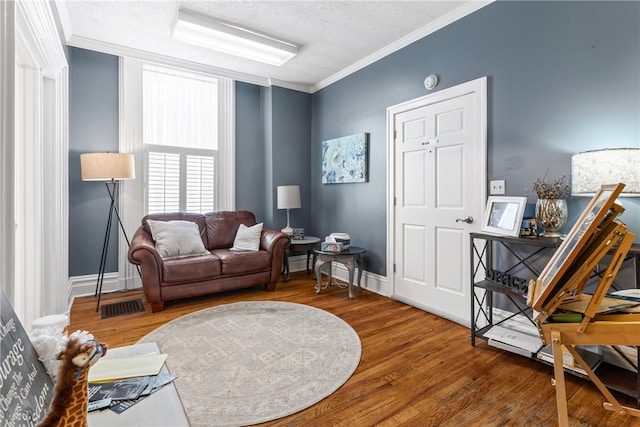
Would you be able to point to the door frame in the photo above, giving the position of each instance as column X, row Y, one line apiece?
column 477, row 87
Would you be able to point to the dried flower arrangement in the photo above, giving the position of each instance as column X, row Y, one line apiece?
column 556, row 189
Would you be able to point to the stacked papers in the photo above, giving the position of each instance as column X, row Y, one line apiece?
column 592, row 359
column 126, row 367
column 514, row 341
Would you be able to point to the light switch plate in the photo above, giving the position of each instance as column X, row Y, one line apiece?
column 497, row 187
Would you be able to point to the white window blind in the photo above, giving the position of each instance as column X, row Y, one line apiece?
column 180, row 133
column 163, row 183
column 200, row 184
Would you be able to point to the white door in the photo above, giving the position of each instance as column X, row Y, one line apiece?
column 437, row 177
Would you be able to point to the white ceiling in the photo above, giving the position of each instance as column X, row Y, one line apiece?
column 334, row 38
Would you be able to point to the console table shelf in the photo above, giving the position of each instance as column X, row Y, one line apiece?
column 525, row 251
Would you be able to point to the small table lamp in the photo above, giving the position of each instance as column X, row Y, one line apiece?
column 289, row 198
column 110, row 168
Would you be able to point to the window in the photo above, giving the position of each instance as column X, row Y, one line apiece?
column 180, row 135
column 205, row 179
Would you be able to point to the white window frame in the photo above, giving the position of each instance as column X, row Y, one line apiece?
column 132, row 203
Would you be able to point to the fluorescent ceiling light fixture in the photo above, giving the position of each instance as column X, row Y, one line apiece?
column 224, row 37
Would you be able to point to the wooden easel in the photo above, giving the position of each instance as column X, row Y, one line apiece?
column 560, row 289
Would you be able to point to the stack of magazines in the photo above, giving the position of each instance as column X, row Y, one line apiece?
column 120, row 395
column 592, row 359
column 120, row 383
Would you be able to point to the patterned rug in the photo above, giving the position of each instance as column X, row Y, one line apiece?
column 251, row 362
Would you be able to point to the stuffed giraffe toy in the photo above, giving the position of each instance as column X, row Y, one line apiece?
column 71, row 394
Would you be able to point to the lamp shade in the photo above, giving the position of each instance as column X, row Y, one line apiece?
column 107, row 166
column 289, row 197
column 591, row 169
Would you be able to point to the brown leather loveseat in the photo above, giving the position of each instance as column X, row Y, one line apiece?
column 216, row 269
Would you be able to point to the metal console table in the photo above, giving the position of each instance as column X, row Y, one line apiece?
column 526, row 251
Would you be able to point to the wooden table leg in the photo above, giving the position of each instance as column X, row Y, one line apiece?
column 558, row 371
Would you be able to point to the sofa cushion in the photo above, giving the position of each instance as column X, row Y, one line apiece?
column 222, row 227
column 199, row 219
column 247, row 238
column 176, row 239
column 191, row 269
column 244, row 262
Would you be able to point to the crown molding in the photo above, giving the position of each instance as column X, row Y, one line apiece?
column 432, row 27
column 119, row 50
column 128, row 52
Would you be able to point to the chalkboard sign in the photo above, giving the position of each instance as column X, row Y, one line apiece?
column 26, row 388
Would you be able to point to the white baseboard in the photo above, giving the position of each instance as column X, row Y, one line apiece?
column 370, row 281
column 80, row 286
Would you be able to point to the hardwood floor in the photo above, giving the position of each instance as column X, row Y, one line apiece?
column 416, row 369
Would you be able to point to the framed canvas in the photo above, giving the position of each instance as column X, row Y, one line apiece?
column 589, row 221
column 503, row 215
column 345, row 159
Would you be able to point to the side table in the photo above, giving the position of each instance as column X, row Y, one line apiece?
column 349, row 258
column 306, row 245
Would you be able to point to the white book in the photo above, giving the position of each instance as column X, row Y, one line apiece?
column 511, row 348
column 530, row 343
column 126, row 367
column 592, row 359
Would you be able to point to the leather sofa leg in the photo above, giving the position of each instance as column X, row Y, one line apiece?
column 157, row 306
column 270, row 286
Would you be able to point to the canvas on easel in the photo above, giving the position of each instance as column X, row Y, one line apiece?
column 559, row 290
column 550, row 286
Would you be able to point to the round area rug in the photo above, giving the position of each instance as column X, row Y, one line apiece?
column 251, row 362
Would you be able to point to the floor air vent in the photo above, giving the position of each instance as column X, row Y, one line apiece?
column 120, row 308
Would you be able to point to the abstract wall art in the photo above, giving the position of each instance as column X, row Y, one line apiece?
column 345, row 160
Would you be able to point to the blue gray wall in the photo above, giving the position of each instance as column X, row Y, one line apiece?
column 250, row 150
column 93, row 127
column 291, row 148
column 272, row 149
column 563, row 77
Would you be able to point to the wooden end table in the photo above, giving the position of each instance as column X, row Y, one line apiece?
column 301, row 246
column 349, row 258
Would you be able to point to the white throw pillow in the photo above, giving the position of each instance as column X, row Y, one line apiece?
column 247, row 238
column 176, row 239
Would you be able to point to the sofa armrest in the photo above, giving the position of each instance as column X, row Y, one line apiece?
column 143, row 252
column 274, row 242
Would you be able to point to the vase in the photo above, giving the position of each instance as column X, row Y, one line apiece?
column 551, row 215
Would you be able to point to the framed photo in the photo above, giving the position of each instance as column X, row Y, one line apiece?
column 592, row 218
column 298, row 234
column 503, row 215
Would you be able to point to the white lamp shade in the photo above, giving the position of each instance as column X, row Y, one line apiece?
column 289, row 197
column 591, row 169
column 107, row 166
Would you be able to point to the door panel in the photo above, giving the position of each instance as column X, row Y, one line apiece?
column 414, row 179
column 448, row 184
column 449, row 269
column 414, row 244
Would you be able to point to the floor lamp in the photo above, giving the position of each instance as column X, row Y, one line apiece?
column 110, row 168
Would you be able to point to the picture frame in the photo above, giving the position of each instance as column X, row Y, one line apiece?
column 503, row 215
column 594, row 216
column 346, row 159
